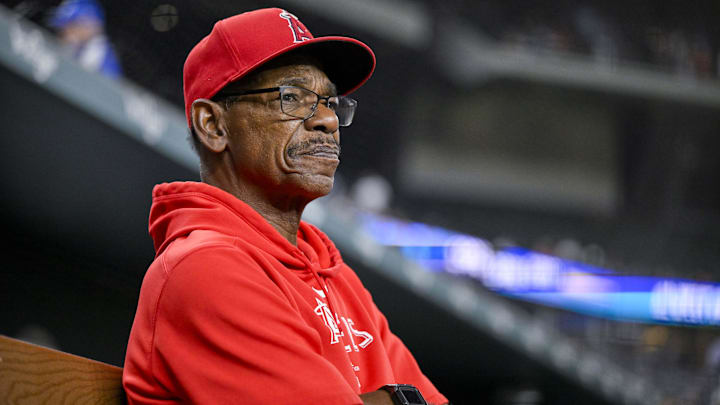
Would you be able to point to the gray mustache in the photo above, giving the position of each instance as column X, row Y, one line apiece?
column 314, row 144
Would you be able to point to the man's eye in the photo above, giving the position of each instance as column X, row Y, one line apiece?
column 332, row 104
column 289, row 97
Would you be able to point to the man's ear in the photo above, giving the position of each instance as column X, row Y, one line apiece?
column 209, row 124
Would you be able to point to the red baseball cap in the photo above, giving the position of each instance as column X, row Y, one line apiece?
column 240, row 44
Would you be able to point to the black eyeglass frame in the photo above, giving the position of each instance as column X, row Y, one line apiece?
column 351, row 102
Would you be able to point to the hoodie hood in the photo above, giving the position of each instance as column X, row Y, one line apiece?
column 183, row 207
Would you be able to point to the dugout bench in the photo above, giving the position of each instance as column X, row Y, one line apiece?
column 33, row 375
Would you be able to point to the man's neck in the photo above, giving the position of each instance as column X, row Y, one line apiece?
column 284, row 217
column 281, row 212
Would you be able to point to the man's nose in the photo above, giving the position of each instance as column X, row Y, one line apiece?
column 324, row 120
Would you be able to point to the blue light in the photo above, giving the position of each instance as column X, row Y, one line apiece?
column 544, row 279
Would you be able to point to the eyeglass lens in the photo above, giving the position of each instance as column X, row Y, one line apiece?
column 302, row 103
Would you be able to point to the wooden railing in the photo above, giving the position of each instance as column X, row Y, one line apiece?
column 32, row 375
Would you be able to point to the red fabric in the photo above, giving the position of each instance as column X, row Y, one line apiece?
column 231, row 312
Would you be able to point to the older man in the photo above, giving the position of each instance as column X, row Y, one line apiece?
column 245, row 303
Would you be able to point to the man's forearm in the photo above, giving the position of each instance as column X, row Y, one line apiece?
column 380, row 397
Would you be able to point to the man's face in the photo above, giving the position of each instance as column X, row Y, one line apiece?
column 282, row 155
column 79, row 32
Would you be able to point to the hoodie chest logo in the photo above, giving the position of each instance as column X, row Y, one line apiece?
column 359, row 339
column 330, row 320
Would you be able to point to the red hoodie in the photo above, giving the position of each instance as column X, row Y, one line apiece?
column 231, row 312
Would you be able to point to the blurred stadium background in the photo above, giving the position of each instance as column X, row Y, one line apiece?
column 531, row 190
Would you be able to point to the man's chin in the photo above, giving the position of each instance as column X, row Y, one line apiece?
column 321, row 185
column 314, row 185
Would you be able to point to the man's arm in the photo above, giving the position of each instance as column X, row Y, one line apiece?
column 222, row 329
column 379, row 397
column 405, row 368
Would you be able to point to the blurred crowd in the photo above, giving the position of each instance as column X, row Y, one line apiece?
column 683, row 362
column 80, row 28
column 673, row 37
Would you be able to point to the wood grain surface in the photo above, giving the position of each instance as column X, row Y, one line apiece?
column 31, row 374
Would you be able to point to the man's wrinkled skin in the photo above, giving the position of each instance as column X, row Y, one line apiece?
column 274, row 162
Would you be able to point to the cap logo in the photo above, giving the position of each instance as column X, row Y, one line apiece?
column 299, row 34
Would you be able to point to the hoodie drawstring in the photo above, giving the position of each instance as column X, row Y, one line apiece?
column 314, row 272
column 323, row 285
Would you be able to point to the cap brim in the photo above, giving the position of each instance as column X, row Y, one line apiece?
column 347, row 62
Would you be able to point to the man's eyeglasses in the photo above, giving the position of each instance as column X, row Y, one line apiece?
column 302, row 103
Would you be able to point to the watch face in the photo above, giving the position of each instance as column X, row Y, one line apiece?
column 412, row 396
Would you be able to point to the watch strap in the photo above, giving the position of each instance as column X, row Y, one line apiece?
column 404, row 394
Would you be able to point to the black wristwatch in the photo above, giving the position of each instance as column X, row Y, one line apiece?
column 404, row 394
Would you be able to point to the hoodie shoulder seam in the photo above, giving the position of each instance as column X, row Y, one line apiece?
column 151, row 355
column 196, row 249
column 167, row 274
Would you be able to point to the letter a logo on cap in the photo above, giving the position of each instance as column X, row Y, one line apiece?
column 299, row 32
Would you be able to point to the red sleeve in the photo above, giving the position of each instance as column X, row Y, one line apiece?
column 225, row 333
column 405, row 368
